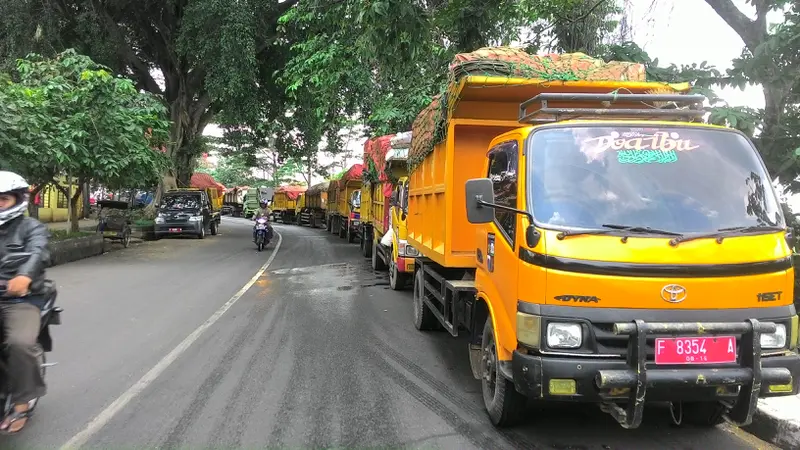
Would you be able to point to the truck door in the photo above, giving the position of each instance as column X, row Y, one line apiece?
column 499, row 263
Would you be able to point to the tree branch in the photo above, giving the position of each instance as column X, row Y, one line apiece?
column 751, row 32
column 125, row 51
column 281, row 10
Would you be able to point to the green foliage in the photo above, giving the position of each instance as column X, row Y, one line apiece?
column 71, row 116
column 216, row 57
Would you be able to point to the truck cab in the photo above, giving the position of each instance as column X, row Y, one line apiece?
column 619, row 268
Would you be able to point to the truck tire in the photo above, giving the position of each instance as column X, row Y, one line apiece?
column 342, row 228
column 367, row 246
column 350, row 236
column 328, row 225
column 377, row 262
column 504, row 404
column 424, row 319
column 703, row 414
column 214, row 228
column 397, row 279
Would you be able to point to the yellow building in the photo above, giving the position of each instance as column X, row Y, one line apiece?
column 52, row 204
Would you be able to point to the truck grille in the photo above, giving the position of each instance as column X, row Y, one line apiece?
column 609, row 343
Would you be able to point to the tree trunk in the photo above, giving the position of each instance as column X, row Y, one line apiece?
column 75, row 202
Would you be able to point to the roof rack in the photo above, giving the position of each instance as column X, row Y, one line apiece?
column 673, row 106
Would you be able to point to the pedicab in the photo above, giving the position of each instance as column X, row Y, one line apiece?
column 114, row 222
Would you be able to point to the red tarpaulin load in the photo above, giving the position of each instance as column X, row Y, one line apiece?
column 353, row 173
column 375, row 150
column 292, row 192
column 206, row 181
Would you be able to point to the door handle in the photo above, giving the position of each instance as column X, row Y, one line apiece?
column 490, row 252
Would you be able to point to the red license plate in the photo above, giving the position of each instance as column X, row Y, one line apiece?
column 174, row 230
column 696, row 350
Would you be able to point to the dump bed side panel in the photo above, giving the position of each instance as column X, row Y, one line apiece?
column 437, row 219
column 279, row 201
column 378, row 208
column 366, row 201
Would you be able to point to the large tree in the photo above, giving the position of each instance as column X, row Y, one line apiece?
column 202, row 56
column 771, row 59
column 393, row 59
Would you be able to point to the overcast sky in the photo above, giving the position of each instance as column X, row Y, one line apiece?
column 674, row 31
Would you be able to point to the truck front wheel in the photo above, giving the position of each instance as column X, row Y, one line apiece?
column 423, row 316
column 504, row 404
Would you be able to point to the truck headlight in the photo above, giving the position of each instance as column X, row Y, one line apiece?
column 403, row 249
column 529, row 329
column 564, row 335
column 776, row 339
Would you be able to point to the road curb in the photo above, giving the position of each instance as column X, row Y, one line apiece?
column 777, row 421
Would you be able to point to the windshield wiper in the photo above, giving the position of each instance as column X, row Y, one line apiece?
column 722, row 233
column 611, row 228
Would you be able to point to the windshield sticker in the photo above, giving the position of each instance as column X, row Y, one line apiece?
column 660, row 140
column 646, row 157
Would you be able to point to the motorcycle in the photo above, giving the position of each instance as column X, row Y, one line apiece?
column 50, row 315
column 263, row 233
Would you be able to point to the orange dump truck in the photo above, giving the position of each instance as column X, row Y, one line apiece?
column 284, row 202
column 344, row 204
column 388, row 153
column 316, row 205
column 374, row 195
column 574, row 232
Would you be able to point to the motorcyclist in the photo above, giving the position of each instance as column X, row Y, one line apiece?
column 262, row 211
column 24, row 298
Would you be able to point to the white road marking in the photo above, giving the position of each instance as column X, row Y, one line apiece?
column 114, row 408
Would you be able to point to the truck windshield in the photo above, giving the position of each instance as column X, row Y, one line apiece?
column 187, row 201
column 680, row 179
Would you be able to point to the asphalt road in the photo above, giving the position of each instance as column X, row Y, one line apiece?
column 319, row 352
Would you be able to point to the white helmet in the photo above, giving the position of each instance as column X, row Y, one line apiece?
column 11, row 183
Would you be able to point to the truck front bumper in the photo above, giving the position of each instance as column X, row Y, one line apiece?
column 635, row 380
column 177, row 229
column 405, row 264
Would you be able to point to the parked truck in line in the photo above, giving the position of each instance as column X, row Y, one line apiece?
column 387, row 211
column 314, row 213
column 574, row 232
column 284, row 203
column 373, row 178
column 344, row 203
column 233, row 202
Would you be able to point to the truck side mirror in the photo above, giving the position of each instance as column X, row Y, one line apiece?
column 479, row 190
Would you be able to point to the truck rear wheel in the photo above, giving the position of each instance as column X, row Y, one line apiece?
column 503, row 403
column 328, row 225
column 350, row 236
column 703, row 414
column 342, row 228
column 424, row 319
column 214, row 228
column 366, row 245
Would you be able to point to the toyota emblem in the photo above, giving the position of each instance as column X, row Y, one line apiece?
column 673, row 293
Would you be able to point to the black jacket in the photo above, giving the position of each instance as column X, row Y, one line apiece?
column 27, row 235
